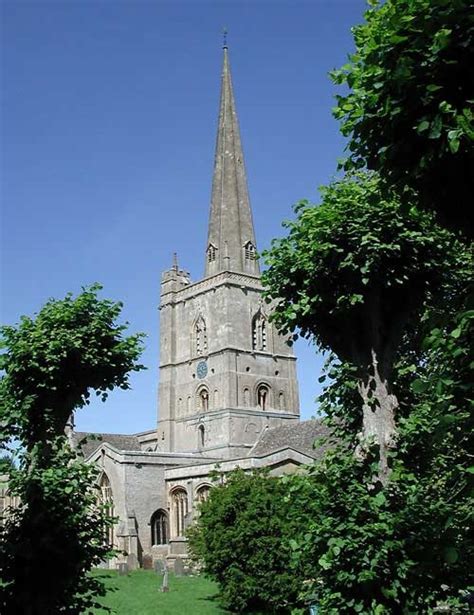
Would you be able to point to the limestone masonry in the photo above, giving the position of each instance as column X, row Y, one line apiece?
column 228, row 391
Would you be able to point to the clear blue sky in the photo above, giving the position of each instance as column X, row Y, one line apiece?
column 108, row 129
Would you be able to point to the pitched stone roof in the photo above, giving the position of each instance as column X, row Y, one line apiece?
column 299, row 436
column 92, row 441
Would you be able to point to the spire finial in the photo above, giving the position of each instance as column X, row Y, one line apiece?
column 224, row 38
column 175, row 261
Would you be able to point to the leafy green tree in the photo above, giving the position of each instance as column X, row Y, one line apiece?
column 51, row 364
column 409, row 113
column 6, row 464
column 351, row 274
column 406, row 547
column 53, row 361
column 239, row 540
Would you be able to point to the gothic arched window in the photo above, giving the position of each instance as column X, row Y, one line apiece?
column 107, row 501
column 263, row 396
column 200, row 336
column 159, row 528
column 202, row 493
column 259, row 331
column 179, row 502
column 249, row 251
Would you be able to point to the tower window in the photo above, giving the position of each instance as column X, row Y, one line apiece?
column 201, row 436
column 203, row 400
column 200, row 336
column 159, row 528
column 249, row 251
column 259, row 332
column 263, row 395
column 281, row 398
column 211, row 253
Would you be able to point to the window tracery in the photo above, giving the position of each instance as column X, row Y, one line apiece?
column 106, row 499
column 159, row 528
column 179, row 500
column 202, row 493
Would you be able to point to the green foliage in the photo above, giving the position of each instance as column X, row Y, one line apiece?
column 6, row 464
column 51, row 364
column 239, row 540
column 405, row 545
column 415, row 535
column 56, row 534
column 354, row 268
column 409, row 112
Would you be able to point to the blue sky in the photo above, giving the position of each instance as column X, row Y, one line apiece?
column 108, row 125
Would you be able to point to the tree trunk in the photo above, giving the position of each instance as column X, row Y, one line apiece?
column 378, row 419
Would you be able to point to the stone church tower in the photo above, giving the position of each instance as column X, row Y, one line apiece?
column 225, row 372
column 228, row 392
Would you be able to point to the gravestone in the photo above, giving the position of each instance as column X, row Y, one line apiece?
column 164, row 585
column 159, row 566
column 147, row 562
column 122, row 569
column 178, row 567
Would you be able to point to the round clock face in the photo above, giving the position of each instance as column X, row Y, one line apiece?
column 202, row 369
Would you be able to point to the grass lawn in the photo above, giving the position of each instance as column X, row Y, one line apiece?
column 139, row 593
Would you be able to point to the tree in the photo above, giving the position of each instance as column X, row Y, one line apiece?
column 410, row 545
column 6, row 464
column 239, row 538
column 351, row 274
column 51, row 364
column 409, row 113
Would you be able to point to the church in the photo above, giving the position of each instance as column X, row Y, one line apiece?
column 228, row 391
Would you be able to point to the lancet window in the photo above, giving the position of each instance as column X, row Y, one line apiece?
column 203, row 400
column 259, row 332
column 159, row 528
column 281, row 399
column 106, row 499
column 201, row 436
column 263, row 397
column 200, row 336
column 179, row 499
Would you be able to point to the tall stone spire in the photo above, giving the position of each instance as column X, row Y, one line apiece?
column 231, row 242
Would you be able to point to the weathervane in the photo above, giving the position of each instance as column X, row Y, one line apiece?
column 224, row 38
